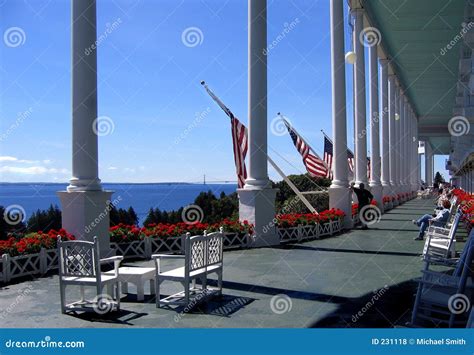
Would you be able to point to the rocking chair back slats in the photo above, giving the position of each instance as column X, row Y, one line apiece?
column 79, row 258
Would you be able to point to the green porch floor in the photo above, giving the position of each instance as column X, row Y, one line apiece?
column 321, row 283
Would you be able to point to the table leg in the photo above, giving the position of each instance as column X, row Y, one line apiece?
column 140, row 291
column 152, row 287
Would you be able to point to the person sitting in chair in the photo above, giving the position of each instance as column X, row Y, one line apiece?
column 364, row 198
column 439, row 219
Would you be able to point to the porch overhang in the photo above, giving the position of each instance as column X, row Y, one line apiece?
column 422, row 41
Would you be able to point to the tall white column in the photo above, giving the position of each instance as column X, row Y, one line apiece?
column 397, row 138
column 392, row 104
column 257, row 198
column 339, row 194
column 375, row 184
column 428, row 164
column 84, row 204
column 360, row 126
column 408, row 141
column 385, row 127
column 401, row 132
column 406, row 152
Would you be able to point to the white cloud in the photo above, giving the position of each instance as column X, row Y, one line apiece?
column 7, row 158
column 112, row 168
column 32, row 170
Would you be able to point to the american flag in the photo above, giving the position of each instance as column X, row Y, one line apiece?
column 328, row 155
column 314, row 165
column 368, row 168
column 328, row 152
column 350, row 160
column 240, row 144
column 239, row 140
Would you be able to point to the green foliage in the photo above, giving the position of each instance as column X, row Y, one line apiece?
column 319, row 201
column 303, row 182
column 128, row 217
column 214, row 209
column 6, row 228
column 45, row 220
column 439, row 178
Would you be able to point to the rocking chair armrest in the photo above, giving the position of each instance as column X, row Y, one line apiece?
column 157, row 257
column 116, row 259
column 167, row 256
column 112, row 258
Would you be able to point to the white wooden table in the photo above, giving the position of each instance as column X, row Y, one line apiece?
column 137, row 276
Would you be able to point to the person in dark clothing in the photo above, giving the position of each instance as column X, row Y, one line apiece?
column 364, row 198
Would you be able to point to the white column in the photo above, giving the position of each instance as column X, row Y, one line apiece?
column 84, row 211
column 85, row 171
column 339, row 194
column 257, row 198
column 360, row 125
column 384, row 94
column 375, row 185
column 392, row 95
column 400, row 133
column 406, row 152
column 396, row 147
column 428, row 164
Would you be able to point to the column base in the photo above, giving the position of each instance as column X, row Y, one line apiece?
column 340, row 197
column 257, row 206
column 79, row 185
column 85, row 214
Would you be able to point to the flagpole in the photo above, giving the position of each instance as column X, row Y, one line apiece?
column 216, row 99
column 304, row 140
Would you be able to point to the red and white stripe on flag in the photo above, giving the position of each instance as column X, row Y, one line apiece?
column 240, row 145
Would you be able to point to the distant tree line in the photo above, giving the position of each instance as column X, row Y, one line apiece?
column 45, row 220
column 214, row 208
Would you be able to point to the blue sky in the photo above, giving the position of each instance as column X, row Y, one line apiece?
column 165, row 127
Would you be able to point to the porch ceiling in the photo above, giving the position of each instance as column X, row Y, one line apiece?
column 414, row 34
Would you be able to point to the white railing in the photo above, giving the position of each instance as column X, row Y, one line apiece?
column 28, row 265
column 304, row 232
column 39, row 264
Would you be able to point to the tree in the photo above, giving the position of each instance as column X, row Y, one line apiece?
column 121, row 215
column 45, row 220
column 10, row 222
column 439, row 178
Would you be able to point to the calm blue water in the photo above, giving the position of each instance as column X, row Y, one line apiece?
column 140, row 196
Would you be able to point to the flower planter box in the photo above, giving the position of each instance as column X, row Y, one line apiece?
column 233, row 240
column 336, row 226
column 28, row 265
column 298, row 233
column 135, row 249
column 325, row 228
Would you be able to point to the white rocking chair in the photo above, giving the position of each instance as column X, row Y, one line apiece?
column 436, row 290
column 203, row 256
column 79, row 265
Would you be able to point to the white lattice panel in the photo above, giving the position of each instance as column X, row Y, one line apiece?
column 167, row 245
column 130, row 250
column 325, row 229
column 51, row 259
column 336, row 226
column 289, row 234
column 309, row 232
column 236, row 240
column 25, row 265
